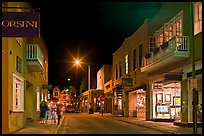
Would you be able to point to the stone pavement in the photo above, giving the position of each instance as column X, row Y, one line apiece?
column 35, row 127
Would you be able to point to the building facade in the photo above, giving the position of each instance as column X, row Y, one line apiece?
column 127, row 61
column 169, row 62
column 157, row 59
column 104, row 83
column 24, row 72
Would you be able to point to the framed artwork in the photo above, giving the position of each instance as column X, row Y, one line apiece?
column 177, row 101
column 162, row 109
column 159, row 97
column 168, row 98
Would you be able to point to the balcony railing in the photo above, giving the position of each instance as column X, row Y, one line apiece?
column 169, row 52
column 34, row 58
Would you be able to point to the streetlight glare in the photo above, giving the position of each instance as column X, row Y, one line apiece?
column 77, row 62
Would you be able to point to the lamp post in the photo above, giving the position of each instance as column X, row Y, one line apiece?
column 77, row 62
column 193, row 69
column 89, row 77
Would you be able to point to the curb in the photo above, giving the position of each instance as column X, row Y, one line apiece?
column 56, row 130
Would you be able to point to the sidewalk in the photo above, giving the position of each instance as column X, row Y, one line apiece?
column 166, row 127
column 35, row 127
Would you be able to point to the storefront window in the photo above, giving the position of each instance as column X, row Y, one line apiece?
column 119, row 103
column 18, row 93
column 167, row 101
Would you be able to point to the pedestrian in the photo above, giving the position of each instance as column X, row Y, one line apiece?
column 59, row 114
column 43, row 111
column 53, row 111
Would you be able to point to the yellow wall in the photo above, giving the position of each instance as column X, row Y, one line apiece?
column 5, row 94
column 33, row 81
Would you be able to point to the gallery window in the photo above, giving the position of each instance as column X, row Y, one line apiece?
column 18, row 93
column 197, row 17
column 167, row 101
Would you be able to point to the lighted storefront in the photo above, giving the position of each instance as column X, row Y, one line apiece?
column 118, row 101
column 141, row 103
column 166, row 101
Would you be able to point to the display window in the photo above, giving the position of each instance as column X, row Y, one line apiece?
column 18, row 93
column 141, row 102
column 166, row 100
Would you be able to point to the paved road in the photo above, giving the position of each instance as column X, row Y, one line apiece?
column 75, row 123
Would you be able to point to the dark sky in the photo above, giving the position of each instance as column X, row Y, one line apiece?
column 92, row 31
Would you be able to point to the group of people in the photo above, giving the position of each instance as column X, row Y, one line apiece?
column 51, row 112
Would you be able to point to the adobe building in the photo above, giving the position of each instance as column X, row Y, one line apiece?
column 104, row 82
column 24, row 73
column 128, row 81
column 169, row 62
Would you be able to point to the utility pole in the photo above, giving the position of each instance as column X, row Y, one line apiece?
column 193, row 69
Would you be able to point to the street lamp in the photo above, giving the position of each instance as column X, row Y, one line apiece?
column 77, row 62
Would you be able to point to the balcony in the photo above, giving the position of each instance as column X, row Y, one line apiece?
column 170, row 52
column 34, row 58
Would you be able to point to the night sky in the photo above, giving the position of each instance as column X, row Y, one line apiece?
column 92, row 31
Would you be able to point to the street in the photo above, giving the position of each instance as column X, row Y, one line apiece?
column 79, row 123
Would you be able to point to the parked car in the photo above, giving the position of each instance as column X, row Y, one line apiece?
column 70, row 108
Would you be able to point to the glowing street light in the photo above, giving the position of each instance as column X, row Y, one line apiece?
column 77, row 62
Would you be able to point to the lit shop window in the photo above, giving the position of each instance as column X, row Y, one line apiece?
column 119, row 103
column 197, row 17
column 159, row 39
column 18, row 93
column 126, row 64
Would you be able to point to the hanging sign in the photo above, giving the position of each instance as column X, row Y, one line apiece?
column 157, row 86
column 20, row 24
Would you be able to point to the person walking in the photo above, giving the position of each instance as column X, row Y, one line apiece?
column 53, row 111
column 59, row 114
column 43, row 111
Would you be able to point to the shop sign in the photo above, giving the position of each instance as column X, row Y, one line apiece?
column 157, row 86
column 126, row 81
column 20, row 24
column 47, row 86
